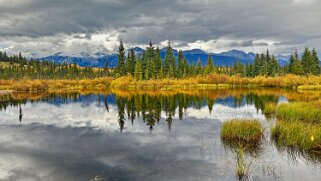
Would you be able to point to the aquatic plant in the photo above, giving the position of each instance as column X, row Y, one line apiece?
column 269, row 110
column 246, row 134
column 309, row 112
column 298, row 135
column 242, row 166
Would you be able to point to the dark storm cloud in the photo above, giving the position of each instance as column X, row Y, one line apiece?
column 187, row 21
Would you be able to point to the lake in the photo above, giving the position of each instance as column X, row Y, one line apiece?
column 134, row 135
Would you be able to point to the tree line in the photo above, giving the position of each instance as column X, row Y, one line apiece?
column 18, row 67
column 150, row 65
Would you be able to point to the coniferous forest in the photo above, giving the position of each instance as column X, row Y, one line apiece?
column 150, row 65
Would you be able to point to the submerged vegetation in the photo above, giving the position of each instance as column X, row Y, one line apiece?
column 242, row 136
column 242, row 166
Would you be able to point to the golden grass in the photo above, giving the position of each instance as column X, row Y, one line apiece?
column 298, row 128
column 269, row 110
column 217, row 81
column 298, row 135
column 309, row 112
column 41, row 85
column 246, row 134
column 211, row 81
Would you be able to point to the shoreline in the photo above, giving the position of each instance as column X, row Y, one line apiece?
column 211, row 81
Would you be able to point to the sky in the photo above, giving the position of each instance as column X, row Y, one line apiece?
column 40, row 28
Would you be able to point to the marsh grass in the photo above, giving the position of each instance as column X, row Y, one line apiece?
column 245, row 134
column 242, row 166
column 309, row 112
column 297, row 135
column 269, row 110
column 213, row 80
column 309, row 87
column 41, row 85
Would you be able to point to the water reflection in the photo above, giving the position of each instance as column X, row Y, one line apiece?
column 20, row 113
column 136, row 136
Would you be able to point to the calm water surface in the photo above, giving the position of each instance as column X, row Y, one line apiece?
column 140, row 136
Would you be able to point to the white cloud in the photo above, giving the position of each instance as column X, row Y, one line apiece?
column 44, row 27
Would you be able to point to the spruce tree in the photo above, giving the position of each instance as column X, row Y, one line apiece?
column 257, row 65
column 307, row 61
column 120, row 69
column 210, row 65
column 292, row 60
column 180, row 67
column 158, row 62
column 138, row 74
column 186, row 68
column 128, row 63
column 169, row 59
column 315, row 63
column 199, row 67
column 132, row 61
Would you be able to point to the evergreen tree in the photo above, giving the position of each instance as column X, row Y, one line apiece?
column 138, row 74
column 307, row 61
column 170, row 73
column 120, row 69
column 180, row 68
column 291, row 64
column 158, row 63
column 169, row 59
column 239, row 68
column 210, row 65
column 315, row 67
column 257, row 65
column 199, row 68
column 297, row 68
column 128, row 63
column 144, row 62
column 132, row 60
column 273, row 67
column 186, row 68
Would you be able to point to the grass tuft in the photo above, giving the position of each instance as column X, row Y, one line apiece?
column 242, row 166
column 309, row 112
column 298, row 135
column 269, row 110
column 242, row 134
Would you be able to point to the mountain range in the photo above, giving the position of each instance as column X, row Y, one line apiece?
column 100, row 59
